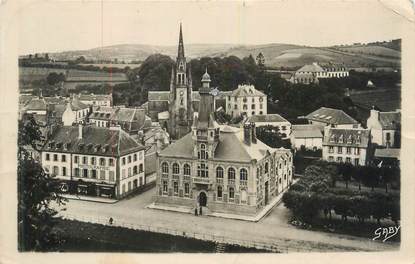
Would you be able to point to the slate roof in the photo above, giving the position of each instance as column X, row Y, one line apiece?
column 135, row 116
column 95, row 141
column 311, row 68
column 231, row 147
column 55, row 100
column 390, row 120
column 331, row 116
column 388, row 153
column 355, row 137
column 306, row 131
column 246, row 90
column 36, row 104
column 95, row 97
column 25, row 98
column 267, row 118
column 77, row 105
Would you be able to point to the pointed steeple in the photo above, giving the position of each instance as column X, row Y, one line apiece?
column 180, row 52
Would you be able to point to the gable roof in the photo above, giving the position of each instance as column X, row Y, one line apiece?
column 390, row 120
column 387, row 153
column 331, row 116
column 246, row 90
column 36, row 104
column 135, row 117
column 94, row 141
column 95, row 97
column 267, row 118
column 356, row 137
column 231, row 147
column 311, row 68
column 306, row 131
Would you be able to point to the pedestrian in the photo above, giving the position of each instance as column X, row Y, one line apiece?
column 200, row 210
column 195, row 211
column 111, row 220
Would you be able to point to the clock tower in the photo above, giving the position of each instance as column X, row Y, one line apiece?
column 180, row 101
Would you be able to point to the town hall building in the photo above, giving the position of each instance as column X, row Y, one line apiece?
column 222, row 169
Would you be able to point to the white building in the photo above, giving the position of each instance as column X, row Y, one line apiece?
column 246, row 100
column 96, row 99
column 325, row 116
column 311, row 73
column 275, row 120
column 346, row 145
column 385, row 128
column 94, row 161
column 309, row 137
column 75, row 112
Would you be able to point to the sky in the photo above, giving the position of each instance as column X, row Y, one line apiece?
column 50, row 26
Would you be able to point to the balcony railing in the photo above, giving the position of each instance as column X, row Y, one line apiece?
column 176, row 177
column 231, row 182
column 219, row 180
column 186, row 178
column 201, row 180
column 243, row 183
column 163, row 175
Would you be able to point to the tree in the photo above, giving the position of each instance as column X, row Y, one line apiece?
column 346, row 170
column 36, row 190
column 54, row 78
column 155, row 72
column 260, row 60
column 271, row 136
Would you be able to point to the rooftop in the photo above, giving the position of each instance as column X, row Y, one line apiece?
column 95, row 97
column 135, row 116
column 306, row 131
column 94, row 141
column 388, row 153
column 356, row 137
column 390, row 120
column 267, row 118
column 331, row 116
column 246, row 90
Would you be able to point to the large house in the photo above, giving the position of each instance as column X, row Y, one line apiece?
column 131, row 120
column 223, row 169
column 246, row 100
column 96, row 99
column 325, row 116
column 346, row 145
column 309, row 137
column 311, row 73
column 75, row 112
column 94, row 161
column 282, row 125
column 385, row 128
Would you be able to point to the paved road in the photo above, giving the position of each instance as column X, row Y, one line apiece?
column 271, row 229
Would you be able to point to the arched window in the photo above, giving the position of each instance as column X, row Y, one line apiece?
column 243, row 173
column 165, row 168
column 231, row 174
column 219, row 192
column 231, row 193
column 219, row 172
column 176, row 168
column 186, row 169
column 135, row 170
column 203, row 153
column 202, row 170
column 140, row 168
column 102, row 162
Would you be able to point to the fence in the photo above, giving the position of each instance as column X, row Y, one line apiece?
column 272, row 247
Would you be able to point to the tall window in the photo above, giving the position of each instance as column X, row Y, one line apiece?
column 243, row 174
column 85, row 173
column 219, row 192
column 231, row 174
column 84, row 160
column 55, row 157
column 176, row 187
column 111, row 162
column 111, row 176
column 176, row 168
column 76, row 172
column 47, row 156
column 129, row 159
column 203, row 153
column 63, row 158
column 123, row 161
column 94, row 174
column 55, row 170
column 186, row 189
column 165, row 168
column 231, row 193
column 63, row 171
column 186, row 169
column 339, row 150
column 102, row 175
column 92, row 160
column 102, row 162
column 140, row 168
column 165, row 186
column 219, row 172
column 202, row 170
column 266, row 167
column 135, row 157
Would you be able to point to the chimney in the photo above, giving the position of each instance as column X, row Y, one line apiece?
column 374, row 113
column 247, row 133
column 253, row 133
column 79, row 131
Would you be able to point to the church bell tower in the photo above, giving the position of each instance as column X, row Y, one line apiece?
column 180, row 101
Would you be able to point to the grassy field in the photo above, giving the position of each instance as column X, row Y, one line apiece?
column 86, row 237
column 385, row 99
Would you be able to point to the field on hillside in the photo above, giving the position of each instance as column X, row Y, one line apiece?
column 385, row 99
column 112, row 65
column 28, row 74
column 91, row 76
column 372, row 50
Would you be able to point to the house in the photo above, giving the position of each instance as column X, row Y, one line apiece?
column 247, row 101
column 385, row 128
column 387, row 157
column 325, row 116
column 346, row 145
column 275, row 120
column 96, row 100
column 309, row 137
column 311, row 73
column 131, row 120
column 94, row 161
column 221, row 168
column 75, row 112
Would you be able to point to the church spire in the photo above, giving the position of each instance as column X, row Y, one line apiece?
column 180, row 52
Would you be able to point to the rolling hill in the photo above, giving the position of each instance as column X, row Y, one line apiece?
column 276, row 54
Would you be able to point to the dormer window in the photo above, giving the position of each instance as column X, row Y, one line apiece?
column 81, row 146
column 332, row 139
column 341, row 139
column 349, row 140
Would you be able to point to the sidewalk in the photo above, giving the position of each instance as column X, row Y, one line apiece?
column 89, row 198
